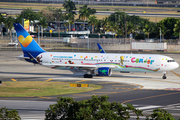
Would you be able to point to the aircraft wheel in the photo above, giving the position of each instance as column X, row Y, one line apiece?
column 88, row 76
column 164, row 76
column 85, row 75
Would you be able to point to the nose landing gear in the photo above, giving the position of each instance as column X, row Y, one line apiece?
column 164, row 75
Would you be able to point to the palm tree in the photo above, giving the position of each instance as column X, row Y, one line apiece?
column 92, row 21
column 43, row 23
column 70, row 18
column 131, row 28
column 85, row 12
column 1, row 21
column 69, row 6
column 29, row 14
column 104, row 23
column 65, row 24
column 163, row 28
column 18, row 19
column 148, row 28
column 177, row 28
column 58, row 14
column 70, row 13
column 9, row 24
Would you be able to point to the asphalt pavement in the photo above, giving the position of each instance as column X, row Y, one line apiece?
column 145, row 91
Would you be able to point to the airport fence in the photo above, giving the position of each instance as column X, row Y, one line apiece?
column 83, row 45
column 60, row 44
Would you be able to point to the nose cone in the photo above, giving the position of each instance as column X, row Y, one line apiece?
column 176, row 65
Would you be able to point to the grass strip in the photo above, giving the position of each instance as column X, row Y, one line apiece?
column 40, row 88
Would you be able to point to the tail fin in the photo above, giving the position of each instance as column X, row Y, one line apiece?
column 28, row 44
column 100, row 48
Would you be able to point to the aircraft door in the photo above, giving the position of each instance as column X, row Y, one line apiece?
column 158, row 62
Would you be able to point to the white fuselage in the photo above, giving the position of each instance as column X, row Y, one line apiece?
column 122, row 62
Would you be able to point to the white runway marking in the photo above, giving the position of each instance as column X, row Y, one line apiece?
column 148, row 107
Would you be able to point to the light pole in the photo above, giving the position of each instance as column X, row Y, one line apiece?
column 160, row 32
column 38, row 35
column 88, row 39
column 99, row 37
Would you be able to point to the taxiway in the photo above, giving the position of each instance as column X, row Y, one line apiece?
column 145, row 91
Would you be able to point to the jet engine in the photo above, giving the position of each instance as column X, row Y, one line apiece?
column 103, row 71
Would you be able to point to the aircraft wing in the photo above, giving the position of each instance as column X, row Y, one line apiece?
column 82, row 66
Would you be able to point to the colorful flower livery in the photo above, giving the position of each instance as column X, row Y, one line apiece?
column 101, row 64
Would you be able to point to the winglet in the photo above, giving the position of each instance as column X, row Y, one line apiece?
column 100, row 48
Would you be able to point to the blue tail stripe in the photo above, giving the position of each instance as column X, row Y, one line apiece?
column 32, row 47
column 100, row 48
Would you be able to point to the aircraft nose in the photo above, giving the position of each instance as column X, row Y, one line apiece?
column 177, row 65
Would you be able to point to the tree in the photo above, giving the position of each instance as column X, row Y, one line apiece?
column 65, row 26
column 69, row 6
column 48, row 13
column 98, row 25
column 29, row 14
column 6, row 114
column 18, row 19
column 70, row 18
column 104, row 23
column 177, row 28
column 148, row 28
column 43, row 24
column 58, row 14
column 160, row 114
column 85, row 12
column 9, row 24
column 163, row 28
column 70, row 11
column 168, row 26
column 51, row 13
column 1, row 18
column 1, row 21
column 96, row 108
column 92, row 21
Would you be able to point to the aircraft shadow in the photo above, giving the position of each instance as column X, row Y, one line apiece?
column 69, row 75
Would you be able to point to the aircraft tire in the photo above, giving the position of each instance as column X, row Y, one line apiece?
column 164, row 77
column 85, row 75
column 88, row 76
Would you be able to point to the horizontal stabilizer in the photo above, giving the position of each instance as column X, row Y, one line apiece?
column 22, row 57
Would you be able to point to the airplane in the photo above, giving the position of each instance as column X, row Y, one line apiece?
column 101, row 50
column 101, row 64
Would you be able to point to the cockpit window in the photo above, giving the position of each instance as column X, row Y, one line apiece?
column 170, row 60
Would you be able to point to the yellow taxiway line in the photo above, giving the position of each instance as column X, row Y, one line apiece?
column 14, row 80
column 176, row 74
column 49, row 80
column 82, row 80
column 149, row 97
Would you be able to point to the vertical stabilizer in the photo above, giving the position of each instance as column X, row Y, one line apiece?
column 28, row 44
column 100, row 48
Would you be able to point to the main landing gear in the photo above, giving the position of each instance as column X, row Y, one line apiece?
column 88, row 76
column 164, row 75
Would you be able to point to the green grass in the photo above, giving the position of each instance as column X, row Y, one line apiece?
column 40, row 88
column 127, row 9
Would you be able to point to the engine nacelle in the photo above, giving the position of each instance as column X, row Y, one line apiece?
column 103, row 71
